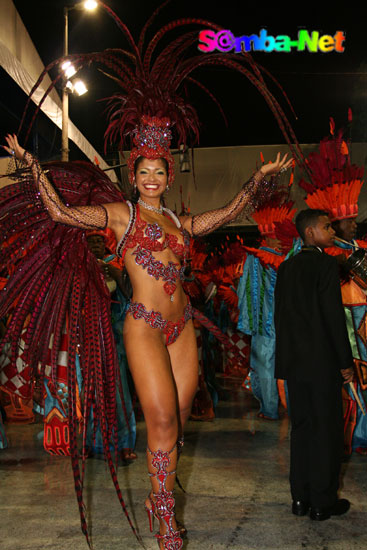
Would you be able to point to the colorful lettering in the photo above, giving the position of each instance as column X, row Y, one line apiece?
column 225, row 41
column 244, row 41
column 210, row 39
column 339, row 39
column 304, row 39
column 326, row 43
column 283, row 43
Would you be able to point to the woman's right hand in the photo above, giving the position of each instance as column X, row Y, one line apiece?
column 13, row 147
column 276, row 167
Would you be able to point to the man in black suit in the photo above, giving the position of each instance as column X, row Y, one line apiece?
column 313, row 354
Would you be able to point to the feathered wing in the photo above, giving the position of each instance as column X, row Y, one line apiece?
column 55, row 278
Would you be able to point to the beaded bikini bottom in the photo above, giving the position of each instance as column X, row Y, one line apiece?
column 171, row 329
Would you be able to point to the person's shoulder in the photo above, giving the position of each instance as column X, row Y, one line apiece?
column 308, row 258
column 288, row 265
column 328, row 259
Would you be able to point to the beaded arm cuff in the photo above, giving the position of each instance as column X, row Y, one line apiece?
column 85, row 217
column 252, row 194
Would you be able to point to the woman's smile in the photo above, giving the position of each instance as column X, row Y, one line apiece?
column 151, row 178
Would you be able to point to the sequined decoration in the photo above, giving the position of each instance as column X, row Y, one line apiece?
column 251, row 196
column 153, row 133
column 171, row 329
column 157, row 269
column 154, row 231
column 164, row 503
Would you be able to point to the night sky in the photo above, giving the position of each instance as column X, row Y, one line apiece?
column 319, row 85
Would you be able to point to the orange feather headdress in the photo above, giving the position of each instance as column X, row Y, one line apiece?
column 274, row 211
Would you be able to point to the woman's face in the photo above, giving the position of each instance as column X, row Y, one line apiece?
column 151, row 178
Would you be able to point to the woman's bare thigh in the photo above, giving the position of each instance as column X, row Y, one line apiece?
column 185, row 366
column 150, row 366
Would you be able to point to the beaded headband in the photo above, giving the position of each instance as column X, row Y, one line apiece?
column 152, row 139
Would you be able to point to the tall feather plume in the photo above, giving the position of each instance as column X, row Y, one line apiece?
column 152, row 85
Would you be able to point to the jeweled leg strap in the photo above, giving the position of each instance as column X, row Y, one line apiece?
column 164, row 502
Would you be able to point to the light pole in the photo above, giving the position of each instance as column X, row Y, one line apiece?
column 65, row 97
column 89, row 5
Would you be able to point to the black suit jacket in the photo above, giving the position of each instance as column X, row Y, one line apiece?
column 311, row 336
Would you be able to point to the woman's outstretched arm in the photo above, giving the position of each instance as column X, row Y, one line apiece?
column 251, row 194
column 85, row 217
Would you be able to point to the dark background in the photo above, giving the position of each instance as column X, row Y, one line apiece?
column 319, row 85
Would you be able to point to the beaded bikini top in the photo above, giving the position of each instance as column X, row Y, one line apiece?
column 146, row 240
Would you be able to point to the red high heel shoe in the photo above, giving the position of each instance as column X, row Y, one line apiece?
column 153, row 514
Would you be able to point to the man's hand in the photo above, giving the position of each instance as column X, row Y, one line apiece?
column 114, row 272
column 347, row 374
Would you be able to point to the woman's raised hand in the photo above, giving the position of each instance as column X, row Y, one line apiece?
column 13, row 147
column 273, row 168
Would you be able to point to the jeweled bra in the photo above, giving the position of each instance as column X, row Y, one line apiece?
column 146, row 240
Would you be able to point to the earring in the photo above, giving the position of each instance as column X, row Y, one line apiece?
column 134, row 185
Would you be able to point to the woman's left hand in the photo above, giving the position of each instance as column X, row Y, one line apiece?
column 273, row 168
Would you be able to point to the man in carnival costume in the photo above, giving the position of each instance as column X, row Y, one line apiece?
column 256, row 302
column 61, row 276
column 335, row 187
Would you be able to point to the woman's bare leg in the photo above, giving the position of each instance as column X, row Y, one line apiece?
column 150, row 367
column 185, row 367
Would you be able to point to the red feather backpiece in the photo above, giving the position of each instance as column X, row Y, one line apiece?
column 54, row 278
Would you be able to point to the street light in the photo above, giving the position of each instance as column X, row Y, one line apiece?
column 69, row 71
column 90, row 5
column 79, row 87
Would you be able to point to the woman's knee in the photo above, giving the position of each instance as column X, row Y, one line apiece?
column 186, row 410
column 163, row 424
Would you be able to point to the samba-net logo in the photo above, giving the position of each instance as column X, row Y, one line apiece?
column 225, row 41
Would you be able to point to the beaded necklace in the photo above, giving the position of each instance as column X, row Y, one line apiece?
column 149, row 207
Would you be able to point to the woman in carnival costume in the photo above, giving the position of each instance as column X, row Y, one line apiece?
column 158, row 331
column 56, row 208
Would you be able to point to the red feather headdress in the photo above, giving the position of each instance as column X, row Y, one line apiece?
column 151, row 101
column 335, row 182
